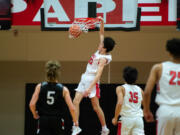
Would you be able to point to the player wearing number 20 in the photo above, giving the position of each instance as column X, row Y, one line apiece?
column 50, row 96
column 167, row 75
column 129, row 99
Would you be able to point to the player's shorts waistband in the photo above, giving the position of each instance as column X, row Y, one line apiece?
column 131, row 116
column 89, row 74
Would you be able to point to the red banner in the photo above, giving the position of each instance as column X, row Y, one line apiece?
column 156, row 13
column 24, row 13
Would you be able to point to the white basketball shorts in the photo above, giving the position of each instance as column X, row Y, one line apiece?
column 86, row 80
column 131, row 126
column 168, row 120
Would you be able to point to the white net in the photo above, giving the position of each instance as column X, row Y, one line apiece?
column 86, row 23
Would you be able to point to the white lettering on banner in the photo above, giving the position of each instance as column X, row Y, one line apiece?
column 149, row 1
column 18, row 6
column 105, row 8
column 172, row 13
column 116, row 13
column 151, row 18
column 150, row 9
column 37, row 16
column 58, row 13
column 155, row 6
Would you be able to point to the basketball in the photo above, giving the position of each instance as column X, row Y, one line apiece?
column 75, row 31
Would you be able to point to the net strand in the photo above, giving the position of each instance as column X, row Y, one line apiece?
column 86, row 23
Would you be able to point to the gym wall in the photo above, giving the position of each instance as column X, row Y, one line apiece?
column 24, row 50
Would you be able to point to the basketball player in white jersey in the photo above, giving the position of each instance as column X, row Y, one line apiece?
column 89, row 84
column 167, row 76
column 129, row 99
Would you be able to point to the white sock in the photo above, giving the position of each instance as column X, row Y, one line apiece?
column 74, row 125
column 104, row 127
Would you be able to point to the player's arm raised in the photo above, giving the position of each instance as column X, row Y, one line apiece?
column 120, row 98
column 102, row 63
column 101, row 31
column 34, row 99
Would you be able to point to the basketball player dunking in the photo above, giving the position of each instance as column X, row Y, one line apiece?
column 89, row 84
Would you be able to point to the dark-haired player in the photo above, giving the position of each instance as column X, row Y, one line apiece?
column 167, row 75
column 129, row 99
column 89, row 84
column 50, row 95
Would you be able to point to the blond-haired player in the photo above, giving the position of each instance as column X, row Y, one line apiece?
column 50, row 96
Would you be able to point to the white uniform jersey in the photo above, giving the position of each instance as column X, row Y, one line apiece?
column 132, row 101
column 93, row 63
column 168, row 92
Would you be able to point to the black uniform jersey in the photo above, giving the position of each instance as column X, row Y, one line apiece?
column 50, row 102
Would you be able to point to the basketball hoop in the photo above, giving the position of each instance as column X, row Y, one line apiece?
column 85, row 24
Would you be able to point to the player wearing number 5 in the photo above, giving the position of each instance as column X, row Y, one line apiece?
column 167, row 76
column 50, row 96
column 129, row 99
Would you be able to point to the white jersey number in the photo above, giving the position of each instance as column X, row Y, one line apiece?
column 50, row 97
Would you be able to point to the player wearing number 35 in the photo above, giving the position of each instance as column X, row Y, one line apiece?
column 167, row 76
column 129, row 99
column 50, row 96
